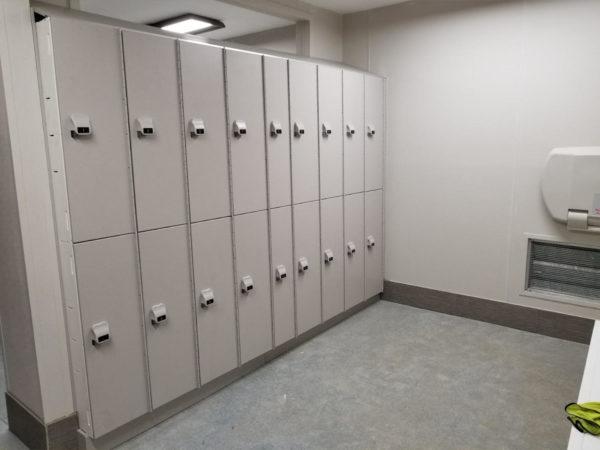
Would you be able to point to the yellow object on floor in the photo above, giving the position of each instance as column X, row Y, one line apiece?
column 585, row 417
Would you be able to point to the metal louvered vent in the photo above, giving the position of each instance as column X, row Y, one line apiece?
column 564, row 269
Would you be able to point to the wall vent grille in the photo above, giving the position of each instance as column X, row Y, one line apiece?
column 564, row 269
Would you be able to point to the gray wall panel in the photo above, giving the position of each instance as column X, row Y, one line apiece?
column 166, row 279
column 213, row 269
column 158, row 161
column 283, row 290
column 108, row 283
column 203, row 92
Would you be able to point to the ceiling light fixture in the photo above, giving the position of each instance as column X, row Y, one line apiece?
column 189, row 24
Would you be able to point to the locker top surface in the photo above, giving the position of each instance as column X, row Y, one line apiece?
column 55, row 12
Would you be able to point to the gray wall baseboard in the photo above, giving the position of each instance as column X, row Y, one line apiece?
column 548, row 323
column 61, row 434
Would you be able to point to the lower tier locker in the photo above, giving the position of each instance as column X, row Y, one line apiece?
column 215, row 297
column 111, row 320
column 354, row 249
column 167, row 293
column 253, row 284
column 332, row 256
column 307, row 265
column 373, row 243
column 282, row 274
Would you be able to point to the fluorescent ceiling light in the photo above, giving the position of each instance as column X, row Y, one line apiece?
column 189, row 24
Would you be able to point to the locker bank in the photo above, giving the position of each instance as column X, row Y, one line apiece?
column 235, row 224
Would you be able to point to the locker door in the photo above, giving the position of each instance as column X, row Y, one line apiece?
column 252, row 269
column 374, row 243
column 332, row 246
column 203, row 89
column 354, row 101
column 245, row 104
column 167, row 290
column 354, row 249
column 307, row 250
column 213, row 274
column 154, row 124
column 283, row 288
column 303, row 124
column 108, row 281
column 374, row 133
column 330, row 120
column 277, row 130
column 89, row 77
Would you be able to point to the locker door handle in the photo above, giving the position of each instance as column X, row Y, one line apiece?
column 370, row 241
column 158, row 314
column 100, row 333
column 328, row 254
column 207, row 298
column 302, row 264
column 280, row 272
column 239, row 128
column 247, row 284
column 298, row 129
column 351, row 248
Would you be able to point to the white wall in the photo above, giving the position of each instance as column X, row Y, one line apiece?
column 478, row 93
column 278, row 39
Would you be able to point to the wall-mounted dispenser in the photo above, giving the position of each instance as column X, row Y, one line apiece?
column 571, row 187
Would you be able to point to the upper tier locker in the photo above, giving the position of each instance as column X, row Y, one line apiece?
column 304, row 126
column 203, row 89
column 374, row 133
column 113, row 331
column 246, row 130
column 331, row 133
column 308, row 268
column 373, row 243
column 89, row 76
column 354, row 249
column 277, row 130
column 168, row 304
column 155, row 128
column 253, row 284
column 354, row 140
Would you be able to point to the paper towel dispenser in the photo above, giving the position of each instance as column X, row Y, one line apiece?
column 571, row 187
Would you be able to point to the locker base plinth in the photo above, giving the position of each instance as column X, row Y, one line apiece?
column 149, row 420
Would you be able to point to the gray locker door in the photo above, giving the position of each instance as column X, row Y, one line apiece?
column 373, row 140
column 245, row 106
column 331, row 151
column 308, row 283
column 278, row 117
column 254, row 307
column 355, row 263
column 332, row 239
column 108, row 285
column 305, row 146
column 374, row 253
column 158, row 160
column 166, row 280
column 203, row 89
column 283, row 289
column 213, row 270
column 354, row 101
column 89, row 78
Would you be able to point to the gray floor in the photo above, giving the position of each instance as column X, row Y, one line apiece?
column 393, row 377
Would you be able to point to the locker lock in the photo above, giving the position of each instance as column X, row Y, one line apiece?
column 80, row 125
column 158, row 314
column 197, row 127
column 370, row 130
column 100, row 333
column 370, row 241
column 207, row 298
column 328, row 254
column 276, row 128
column 326, row 129
column 302, row 264
column 239, row 128
column 298, row 129
column 351, row 248
column 349, row 129
column 247, row 284
column 280, row 272
column 144, row 126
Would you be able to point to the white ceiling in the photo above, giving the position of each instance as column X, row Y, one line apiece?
column 238, row 21
column 350, row 6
